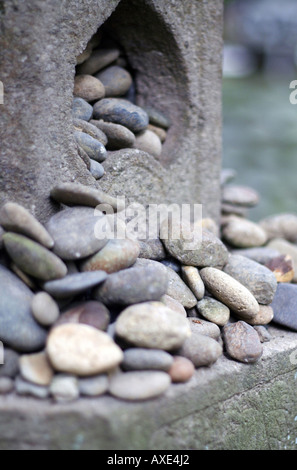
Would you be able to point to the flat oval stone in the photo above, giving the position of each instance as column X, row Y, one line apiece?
column 15, row 218
column 193, row 279
column 88, row 87
column 74, row 194
column 204, row 327
column 96, row 169
column 201, row 350
column 139, row 385
column 91, row 129
column 152, row 325
column 284, row 306
column 280, row 226
column 116, row 80
column 117, row 254
column 132, row 285
column 258, row 279
column 214, row 311
column 181, row 370
column 149, row 142
column 230, row 292
column 118, row 136
column 18, row 329
column 82, row 350
column 205, row 251
column 44, row 309
column 243, row 233
column 36, row 368
column 81, row 109
column 146, row 359
column 240, row 195
column 93, row 386
column 122, row 112
column 242, row 342
column 99, row 59
column 33, row 258
column 75, row 233
column 285, row 248
column 170, row 302
column 74, row 284
column 90, row 313
column 93, row 148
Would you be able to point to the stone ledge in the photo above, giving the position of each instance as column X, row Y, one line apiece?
column 228, row 406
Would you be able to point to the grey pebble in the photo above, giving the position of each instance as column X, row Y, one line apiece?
column 74, row 284
column 93, row 386
column 81, row 109
column 91, row 129
column 27, row 388
column 6, row 385
column 94, row 149
column 116, row 80
column 202, row 350
column 64, row 388
column 242, row 342
column 139, row 385
column 118, row 136
column 99, row 59
column 44, row 309
column 146, row 359
column 10, row 368
column 96, row 169
column 263, row 333
column 122, row 112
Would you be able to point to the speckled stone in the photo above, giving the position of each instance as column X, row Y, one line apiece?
column 10, row 368
column 88, row 87
column 36, row 368
column 64, row 388
column 96, row 169
column 133, row 285
column 27, row 388
column 285, row 248
column 139, row 385
column 117, row 254
column 6, row 385
column 242, row 233
column 15, row 218
column 90, row 313
column 93, row 386
column 205, row 251
column 146, row 359
column 193, row 279
column 76, row 233
column 240, row 195
column 82, row 350
column 118, row 136
column 242, row 342
column 201, row 350
column 152, row 325
column 204, row 327
column 116, row 80
column 284, row 306
column 94, row 149
column 258, row 279
column 81, row 109
column 182, row 369
column 74, row 284
column 149, row 142
column 264, row 316
column 99, row 59
column 122, row 112
column 214, row 311
column 173, row 304
column 91, row 129
column 230, row 292
column 280, row 226
column 33, row 258
column 44, row 309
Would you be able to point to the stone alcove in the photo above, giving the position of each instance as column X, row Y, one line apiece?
column 175, row 47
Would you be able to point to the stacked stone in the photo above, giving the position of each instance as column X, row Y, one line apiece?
column 105, row 115
column 271, row 243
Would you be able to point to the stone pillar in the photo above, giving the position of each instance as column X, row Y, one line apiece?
column 175, row 49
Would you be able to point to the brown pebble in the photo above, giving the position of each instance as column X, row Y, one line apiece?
column 181, row 370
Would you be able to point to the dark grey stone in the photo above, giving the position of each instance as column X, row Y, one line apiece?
column 81, row 109
column 157, row 118
column 284, row 305
column 122, row 112
column 146, row 359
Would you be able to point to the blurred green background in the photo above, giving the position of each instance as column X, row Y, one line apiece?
column 259, row 122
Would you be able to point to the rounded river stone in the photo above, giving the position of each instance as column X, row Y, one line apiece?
column 88, row 87
column 146, row 359
column 81, row 109
column 44, row 309
column 75, row 232
column 91, row 129
column 99, row 59
column 214, row 311
column 284, row 305
column 122, row 112
column 230, row 292
column 201, row 350
column 280, row 226
column 118, row 136
column 90, row 313
column 152, row 325
column 93, row 148
column 139, row 385
column 182, row 369
column 242, row 342
column 193, row 279
column 240, row 195
column 116, row 80
column 242, row 233
column 74, row 284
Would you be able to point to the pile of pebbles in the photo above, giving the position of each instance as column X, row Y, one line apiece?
column 106, row 117
column 88, row 315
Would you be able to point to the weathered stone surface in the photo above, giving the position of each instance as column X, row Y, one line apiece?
column 152, row 325
column 116, row 80
column 284, row 305
column 193, row 279
column 44, row 309
column 18, row 328
column 231, row 292
column 285, row 248
column 118, row 136
column 117, row 254
column 82, row 350
column 133, row 285
column 15, row 218
column 240, row 195
column 201, row 350
column 146, row 359
column 122, row 112
column 282, row 267
column 214, row 311
column 280, row 226
column 258, row 279
column 182, row 369
column 75, row 233
column 33, row 258
column 242, row 233
column 88, row 87
column 242, row 342
column 207, row 250
column 139, row 385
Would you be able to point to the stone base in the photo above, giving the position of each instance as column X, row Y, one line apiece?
column 228, row 406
